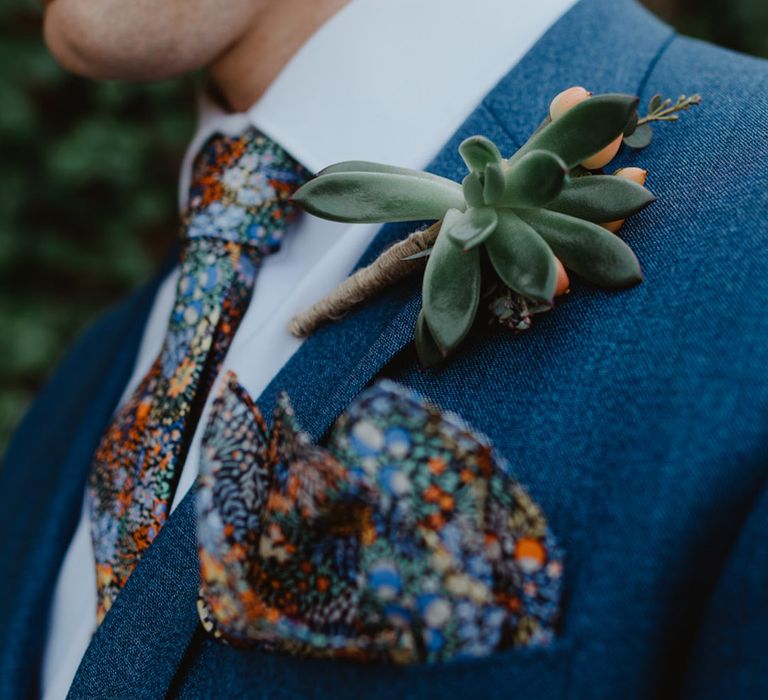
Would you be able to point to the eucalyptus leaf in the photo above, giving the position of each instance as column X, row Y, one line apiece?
column 494, row 183
column 378, row 197
column 585, row 129
column 472, row 187
column 655, row 103
column 478, row 152
column 589, row 250
column 473, row 227
column 450, row 289
column 534, row 180
column 640, row 137
column 522, row 259
column 426, row 348
column 601, row 198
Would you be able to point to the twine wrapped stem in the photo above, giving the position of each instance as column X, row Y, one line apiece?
column 390, row 267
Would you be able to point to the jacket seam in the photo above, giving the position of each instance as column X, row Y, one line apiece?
column 664, row 46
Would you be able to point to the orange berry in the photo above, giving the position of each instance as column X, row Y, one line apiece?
column 636, row 175
column 563, row 283
column 613, row 226
column 566, row 100
column 601, row 159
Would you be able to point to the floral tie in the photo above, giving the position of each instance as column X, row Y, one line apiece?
column 238, row 209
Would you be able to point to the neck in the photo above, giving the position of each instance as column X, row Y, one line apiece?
column 244, row 72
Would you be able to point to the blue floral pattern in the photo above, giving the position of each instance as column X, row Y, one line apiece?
column 406, row 539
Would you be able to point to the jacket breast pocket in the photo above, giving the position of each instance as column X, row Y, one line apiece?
column 213, row 670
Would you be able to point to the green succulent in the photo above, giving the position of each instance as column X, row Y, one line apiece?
column 508, row 220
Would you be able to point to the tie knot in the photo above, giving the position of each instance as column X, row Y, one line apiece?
column 241, row 189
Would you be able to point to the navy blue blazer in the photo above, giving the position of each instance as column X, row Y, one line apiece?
column 638, row 420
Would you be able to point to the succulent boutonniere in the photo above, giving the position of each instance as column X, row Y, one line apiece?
column 509, row 231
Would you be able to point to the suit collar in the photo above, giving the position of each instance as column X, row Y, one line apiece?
column 608, row 45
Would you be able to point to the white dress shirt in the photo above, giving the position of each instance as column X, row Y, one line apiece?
column 382, row 80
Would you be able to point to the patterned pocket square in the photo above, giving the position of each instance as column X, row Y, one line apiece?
column 406, row 539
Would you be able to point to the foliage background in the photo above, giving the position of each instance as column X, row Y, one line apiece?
column 88, row 184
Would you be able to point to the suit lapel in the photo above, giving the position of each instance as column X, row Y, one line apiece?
column 608, row 45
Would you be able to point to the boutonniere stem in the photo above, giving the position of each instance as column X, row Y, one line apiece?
column 395, row 263
column 510, row 232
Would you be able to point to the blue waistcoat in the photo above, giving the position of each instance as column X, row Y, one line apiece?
column 638, row 420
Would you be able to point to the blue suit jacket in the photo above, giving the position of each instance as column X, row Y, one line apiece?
column 638, row 420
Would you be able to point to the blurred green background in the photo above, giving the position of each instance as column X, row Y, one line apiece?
column 88, row 184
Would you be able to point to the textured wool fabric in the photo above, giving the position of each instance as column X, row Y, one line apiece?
column 636, row 419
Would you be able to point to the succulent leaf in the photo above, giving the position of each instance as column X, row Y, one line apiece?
column 426, row 348
column 367, row 166
column 534, row 180
column 451, row 288
column 493, row 187
column 585, row 129
column 631, row 126
column 522, row 259
column 601, row 198
column 473, row 227
column 586, row 248
column 472, row 186
column 478, row 151
column 378, row 197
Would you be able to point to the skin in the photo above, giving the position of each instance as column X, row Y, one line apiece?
column 243, row 43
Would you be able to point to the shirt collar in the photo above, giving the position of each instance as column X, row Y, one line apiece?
column 387, row 81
